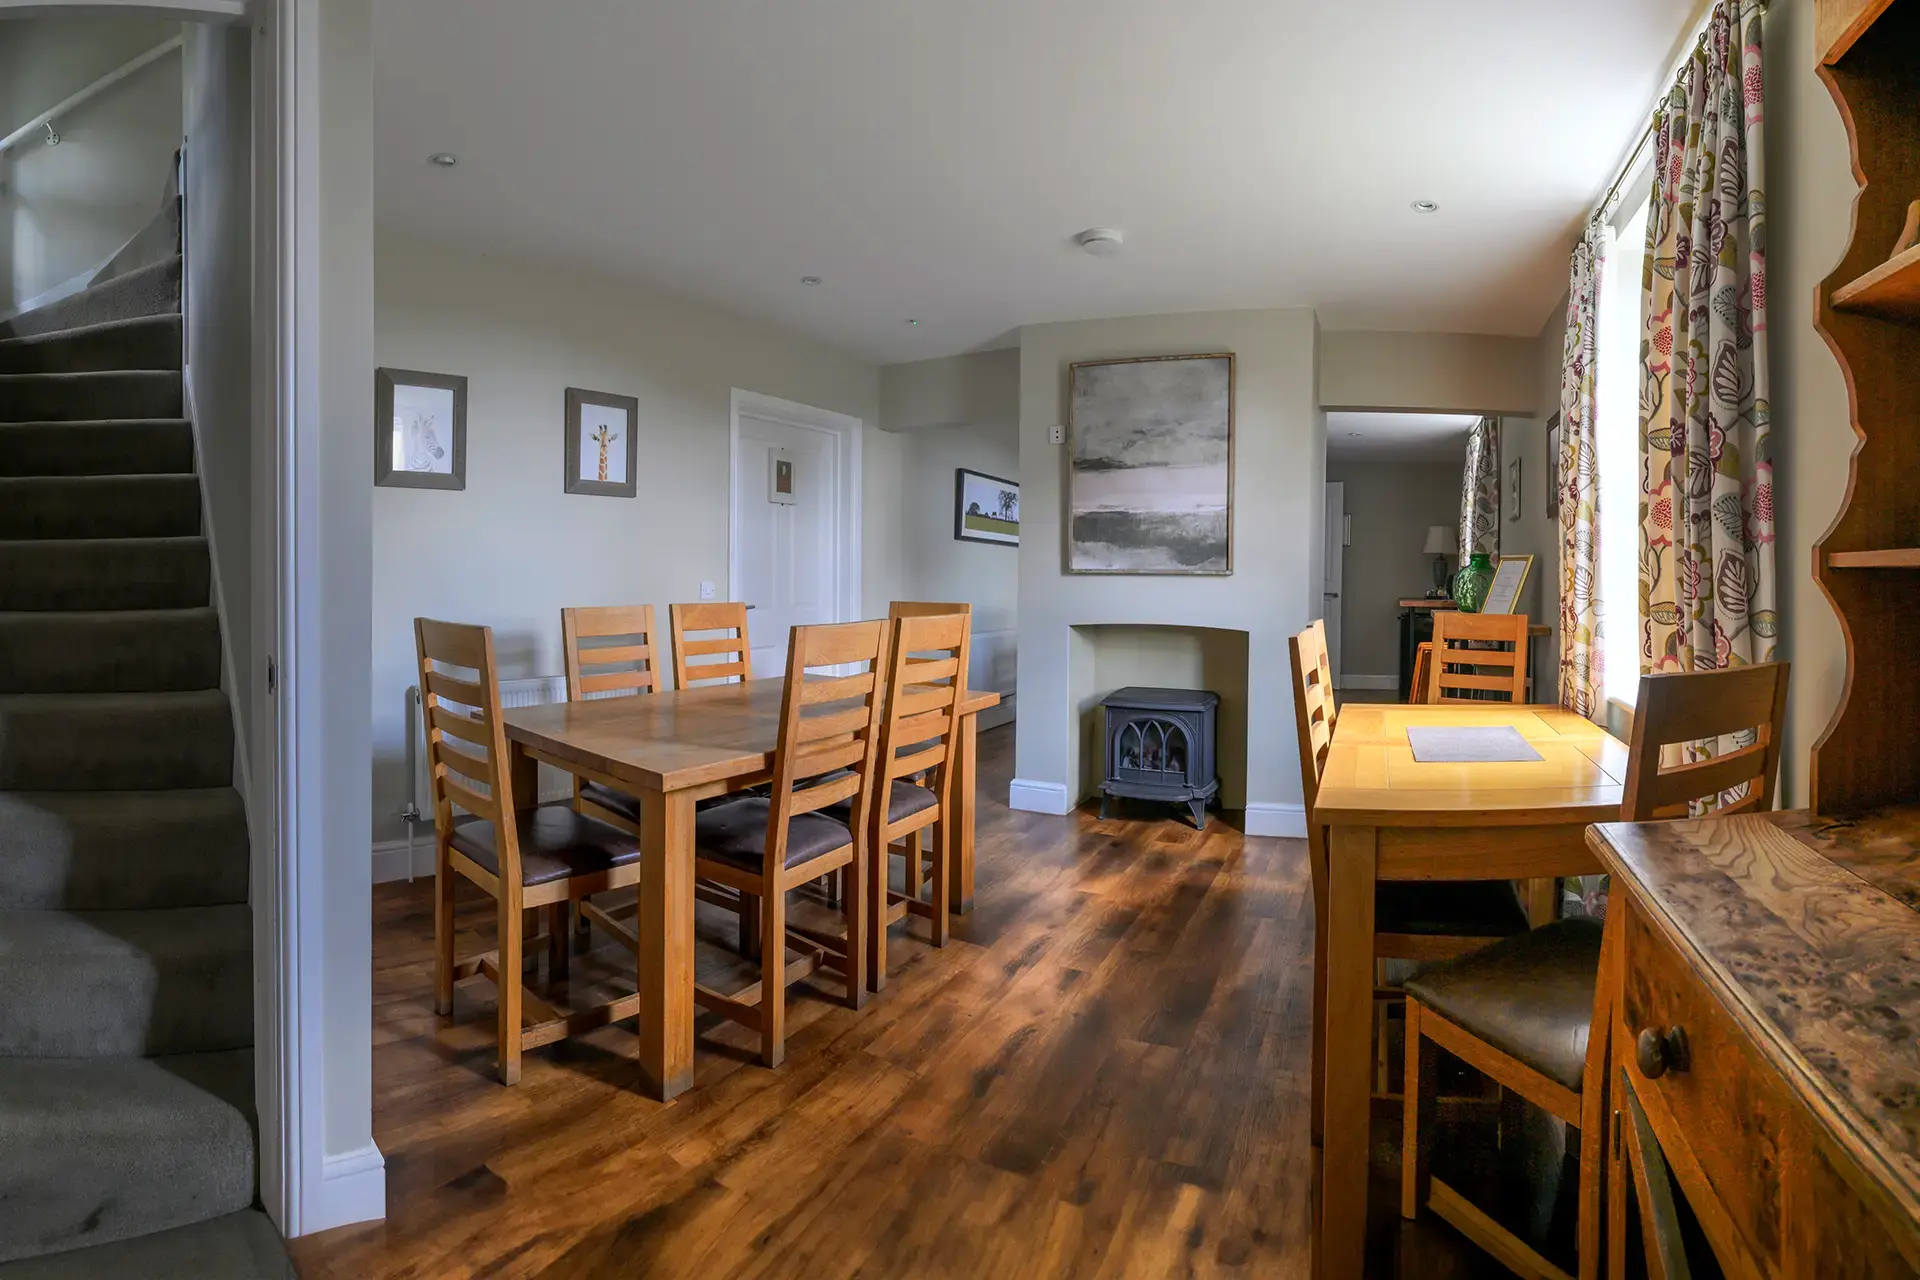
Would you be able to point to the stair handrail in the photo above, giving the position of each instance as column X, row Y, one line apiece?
column 94, row 90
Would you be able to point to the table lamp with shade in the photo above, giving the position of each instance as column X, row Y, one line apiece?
column 1443, row 544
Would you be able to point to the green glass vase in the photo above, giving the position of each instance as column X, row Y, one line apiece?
column 1471, row 583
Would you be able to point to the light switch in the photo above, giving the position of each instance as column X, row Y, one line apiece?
column 706, row 591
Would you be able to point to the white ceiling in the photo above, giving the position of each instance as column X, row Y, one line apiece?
column 1399, row 437
column 933, row 158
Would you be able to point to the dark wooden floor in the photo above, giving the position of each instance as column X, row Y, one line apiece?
column 1103, row 1075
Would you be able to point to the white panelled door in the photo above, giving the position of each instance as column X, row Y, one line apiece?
column 1336, row 571
column 785, row 562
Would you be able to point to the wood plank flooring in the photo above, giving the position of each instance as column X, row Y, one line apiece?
column 1102, row 1075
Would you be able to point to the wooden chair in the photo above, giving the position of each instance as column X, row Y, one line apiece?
column 549, row 856
column 1464, row 669
column 1427, row 921
column 626, row 667
column 762, row 846
column 734, row 651
column 1422, row 664
column 913, row 783
column 1530, row 1012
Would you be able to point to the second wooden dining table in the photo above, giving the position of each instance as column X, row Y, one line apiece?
column 1391, row 817
column 672, row 749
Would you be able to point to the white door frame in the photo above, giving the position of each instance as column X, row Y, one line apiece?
column 847, row 462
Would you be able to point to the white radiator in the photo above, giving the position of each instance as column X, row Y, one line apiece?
column 533, row 691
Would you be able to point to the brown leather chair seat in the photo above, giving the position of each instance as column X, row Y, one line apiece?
column 612, row 801
column 903, row 802
column 736, row 832
column 1449, row 908
column 555, row 843
column 1529, row 996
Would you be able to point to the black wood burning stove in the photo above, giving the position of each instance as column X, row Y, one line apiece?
column 1160, row 747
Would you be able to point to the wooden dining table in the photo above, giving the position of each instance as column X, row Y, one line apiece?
column 671, row 749
column 1391, row 817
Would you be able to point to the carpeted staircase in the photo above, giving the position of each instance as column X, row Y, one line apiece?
column 127, row 1137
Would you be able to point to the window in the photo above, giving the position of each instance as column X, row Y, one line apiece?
column 1617, row 433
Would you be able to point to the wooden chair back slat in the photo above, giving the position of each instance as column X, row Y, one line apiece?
column 834, row 736
column 1422, row 662
column 629, row 668
column 1680, row 707
column 462, row 712
column 1458, row 669
column 729, row 616
column 838, row 689
column 928, row 609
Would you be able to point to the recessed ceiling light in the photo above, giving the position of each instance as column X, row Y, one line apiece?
column 1425, row 206
column 1101, row 242
column 809, row 280
column 445, row 159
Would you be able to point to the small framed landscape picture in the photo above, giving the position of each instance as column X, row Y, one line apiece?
column 600, row 457
column 419, row 429
column 780, row 487
column 985, row 508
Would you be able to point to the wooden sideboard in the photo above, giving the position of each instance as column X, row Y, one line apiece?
column 1764, row 1068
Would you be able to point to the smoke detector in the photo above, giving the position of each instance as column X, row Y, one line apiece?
column 1101, row 242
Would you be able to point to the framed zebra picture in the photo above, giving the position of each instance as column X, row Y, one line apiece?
column 419, row 429
column 600, row 458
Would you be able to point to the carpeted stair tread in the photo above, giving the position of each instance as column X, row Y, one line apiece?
column 99, row 506
column 108, row 447
column 144, row 342
column 150, row 291
column 128, row 651
column 239, row 1246
column 98, row 984
column 66, row 397
column 98, row 1150
column 115, row 741
column 121, row 850
column 105, row 573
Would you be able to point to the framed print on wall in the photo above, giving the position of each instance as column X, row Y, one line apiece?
column 1150, row 484
column 419, row 429
column 600, row 456
column 985, row 508
column 1553, row 466
column 1513, row 489
column 780, row 480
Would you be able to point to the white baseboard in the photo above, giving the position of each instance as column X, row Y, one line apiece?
column 353, row 1188
column 1368, row 682
column 1029, row 796
column 1265, row 819
column 390, row 858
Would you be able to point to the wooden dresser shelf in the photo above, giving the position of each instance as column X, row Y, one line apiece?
column 1892, row 558
column 1890, row 291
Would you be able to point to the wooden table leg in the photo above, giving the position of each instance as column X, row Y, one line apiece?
column 665, row 925
column 1342, row 1244
column 960, row 838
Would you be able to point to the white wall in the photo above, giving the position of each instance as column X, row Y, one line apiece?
column 1391, row 504
column 67, row 208
column 942, row 567
column 1810, row 192
column 1427, row 372
column 513, row 549
column 219, row 313
column 334, row 716
column 1279, row 464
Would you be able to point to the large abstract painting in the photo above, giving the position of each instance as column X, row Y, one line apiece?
column 1151, row 484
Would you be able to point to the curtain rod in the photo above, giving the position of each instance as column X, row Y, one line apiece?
column 1625, row 171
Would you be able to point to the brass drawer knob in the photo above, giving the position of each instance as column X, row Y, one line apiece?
column 1658, row 1052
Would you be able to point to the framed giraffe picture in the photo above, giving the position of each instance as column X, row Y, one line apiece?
column 600, row 443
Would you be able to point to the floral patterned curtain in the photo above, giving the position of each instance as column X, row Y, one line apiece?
column 1480, row 491
column 1706, row 506
column 1581, row 649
